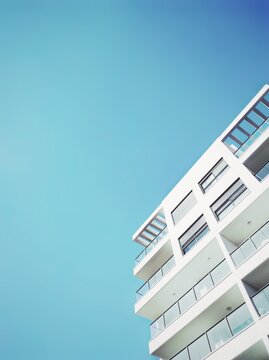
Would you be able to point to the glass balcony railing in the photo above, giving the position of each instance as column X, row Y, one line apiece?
column 144, row 289
column 261, row 300
column 189, row 298
column 251, row 245
column 151, row 246
column 263, row 172
column 218, row 335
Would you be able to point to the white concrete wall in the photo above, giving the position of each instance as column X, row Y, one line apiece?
column 259, row 331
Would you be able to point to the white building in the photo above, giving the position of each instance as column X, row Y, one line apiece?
column 205, row 262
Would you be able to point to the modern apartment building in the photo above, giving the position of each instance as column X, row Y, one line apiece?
column 204, row 266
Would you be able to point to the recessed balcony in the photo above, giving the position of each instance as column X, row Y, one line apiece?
column 258, row 162
column 252, row 244
column 180, row 279
column 257, row 351
column 257, row 287
column 217, row 336
column 200, row 289
column 261, row 300
column 203, row 303
column 248, row 232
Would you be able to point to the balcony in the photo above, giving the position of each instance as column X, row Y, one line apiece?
column 256, row 351
column 258, row 162
column 151, row 246
column 144, row 289
column 251, row 245
column 200, row 289
column 216, row 336
column 261, row 300
column 157, row 249
column 180, row 279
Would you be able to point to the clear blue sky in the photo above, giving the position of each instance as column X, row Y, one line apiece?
column 104, row 106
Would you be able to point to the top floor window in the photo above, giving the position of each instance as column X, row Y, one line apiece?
column 213, row 175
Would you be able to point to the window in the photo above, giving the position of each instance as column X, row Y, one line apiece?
column 213, row 175
column 194, row 234
column 229, row 199
column 183, row 207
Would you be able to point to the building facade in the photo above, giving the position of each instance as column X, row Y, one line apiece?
column 205, row 259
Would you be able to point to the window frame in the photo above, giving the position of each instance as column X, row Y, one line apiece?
column 192, row 238
column 231, row 198
column 210, row 173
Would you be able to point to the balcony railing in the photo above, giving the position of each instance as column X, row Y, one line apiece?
column 251, row 245
column 218, row 335
column 151, row 246
column 201, row 288
column 263, row 172
column 261, row 300
column 144, row 289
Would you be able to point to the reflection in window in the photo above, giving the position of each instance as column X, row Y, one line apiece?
column 219, row 334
